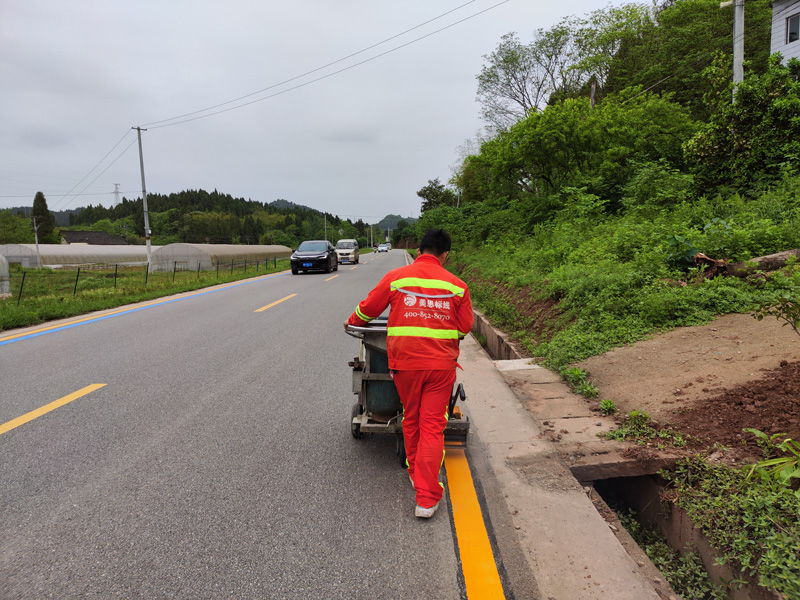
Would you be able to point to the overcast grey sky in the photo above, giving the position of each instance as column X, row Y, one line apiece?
column 77, row 75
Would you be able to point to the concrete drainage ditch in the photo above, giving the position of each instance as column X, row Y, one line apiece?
column 613, row 473
column 642, row 496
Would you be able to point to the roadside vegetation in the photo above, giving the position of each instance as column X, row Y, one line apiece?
column 684, row 571
column 580, row 218
column 753, row 522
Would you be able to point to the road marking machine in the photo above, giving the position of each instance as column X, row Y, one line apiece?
column 379, row 409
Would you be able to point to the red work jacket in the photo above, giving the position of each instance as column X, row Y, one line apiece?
column 430, row 312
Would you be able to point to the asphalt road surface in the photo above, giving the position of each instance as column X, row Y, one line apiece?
column 217, row 459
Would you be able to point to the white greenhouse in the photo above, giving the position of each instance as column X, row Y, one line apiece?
column 5, row 282
column 72, row 255
column 211, row 256
column 163, row 258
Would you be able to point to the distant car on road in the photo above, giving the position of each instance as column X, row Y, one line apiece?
column 383, row 248
column 315, row 255
column 347, row 250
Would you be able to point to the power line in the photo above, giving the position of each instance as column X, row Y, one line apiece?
column 103, row 171
column 93, row 168
column 328, row 75
column 266, row 89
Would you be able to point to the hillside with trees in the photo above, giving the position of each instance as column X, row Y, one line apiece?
column 198, row 216
column 606, row 168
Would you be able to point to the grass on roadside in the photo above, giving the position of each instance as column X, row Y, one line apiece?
column 49, row 294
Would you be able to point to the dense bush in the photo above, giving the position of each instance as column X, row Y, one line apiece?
column 617, row 278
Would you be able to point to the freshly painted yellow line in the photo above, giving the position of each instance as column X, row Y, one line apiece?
column 477, row 561
column 329, row 278
column 128, row 308
column 274, row 303
column 48, row 407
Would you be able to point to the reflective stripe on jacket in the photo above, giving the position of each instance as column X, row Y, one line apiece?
column 430, row 311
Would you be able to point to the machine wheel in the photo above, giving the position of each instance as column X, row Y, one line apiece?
column 401, row 451
column 355, row 428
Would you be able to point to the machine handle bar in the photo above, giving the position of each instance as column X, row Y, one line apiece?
column 358, row 331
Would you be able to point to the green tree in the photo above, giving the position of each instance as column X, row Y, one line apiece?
column 403, row 234
column 436, row 194
column 44, row 221
column 572, row 145
column 519, row 79
column 755, row 139
column 669, row 54
column 280, row 238
column 602, row 34
column 15, row 229
column 511, row 84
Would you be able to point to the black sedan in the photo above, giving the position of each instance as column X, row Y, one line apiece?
column 315, row 255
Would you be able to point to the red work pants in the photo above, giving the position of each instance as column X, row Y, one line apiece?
column 425, row 396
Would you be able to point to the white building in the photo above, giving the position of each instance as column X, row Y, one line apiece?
column 786, row 28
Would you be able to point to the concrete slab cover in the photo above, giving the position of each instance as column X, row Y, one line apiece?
column 515, row 364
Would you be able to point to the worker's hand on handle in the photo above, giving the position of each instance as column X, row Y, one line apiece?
column 345, row 325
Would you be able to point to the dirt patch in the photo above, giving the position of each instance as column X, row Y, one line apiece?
column 710, row 381
column 533, row 312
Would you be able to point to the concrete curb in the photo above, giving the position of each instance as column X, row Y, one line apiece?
column 497, row 343
column 570, row 549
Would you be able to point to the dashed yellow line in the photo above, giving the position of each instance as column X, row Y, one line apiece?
column 351, row 268
column 334, row 277
column 263, row 308
column 477, row 560
column 48, row 407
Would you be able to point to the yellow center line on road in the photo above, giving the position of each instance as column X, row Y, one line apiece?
column 351, row 268
column 477, row 561
column 274, row 303
column 334, row 277
column 48, row 407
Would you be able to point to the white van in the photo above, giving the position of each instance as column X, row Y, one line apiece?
column 347, row 251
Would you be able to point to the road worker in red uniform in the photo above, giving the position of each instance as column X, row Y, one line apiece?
column 430, row 312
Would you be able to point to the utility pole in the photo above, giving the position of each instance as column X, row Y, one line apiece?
column 36, row 239
column 326, row 226
column 116, row 194
column 144, row 201
column 738, row 41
